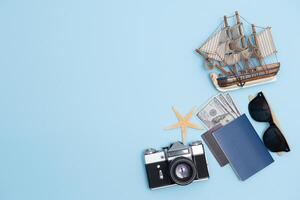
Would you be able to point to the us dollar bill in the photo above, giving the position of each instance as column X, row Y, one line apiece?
column 231, row 102
column 213, row 113
column 227, row 105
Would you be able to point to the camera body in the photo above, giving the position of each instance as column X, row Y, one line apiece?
column 177, row 164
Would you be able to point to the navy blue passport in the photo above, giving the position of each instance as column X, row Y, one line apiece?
column 243, row 148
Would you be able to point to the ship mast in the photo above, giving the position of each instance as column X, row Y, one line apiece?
column 244, row 45
column 225, row 22
column 256, row 49
column 238, row 22
column 221, row 65
column 226, row 26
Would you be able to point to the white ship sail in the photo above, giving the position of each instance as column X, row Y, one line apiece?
column 225, row 46
column 232, row 59
column 235, row 31
column 265, row 43
column 214, row 47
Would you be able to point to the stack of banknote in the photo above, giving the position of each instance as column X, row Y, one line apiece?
column 220, row 109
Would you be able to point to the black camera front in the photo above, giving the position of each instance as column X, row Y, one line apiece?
column 178, row 164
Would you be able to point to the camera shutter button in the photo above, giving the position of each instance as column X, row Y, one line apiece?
column 196, row 143
column 150, row 151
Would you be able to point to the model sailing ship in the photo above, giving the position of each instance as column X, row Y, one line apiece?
column 242, row 60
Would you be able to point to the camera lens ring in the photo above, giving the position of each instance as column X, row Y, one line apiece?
column 188, row 171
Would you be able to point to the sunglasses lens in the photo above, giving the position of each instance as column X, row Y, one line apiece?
column 274, row 140
column 259, row 109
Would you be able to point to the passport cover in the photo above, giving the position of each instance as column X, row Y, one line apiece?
column 214, row 146
column 243, row 148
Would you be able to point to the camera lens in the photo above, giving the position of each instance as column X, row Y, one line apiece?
column 182, row 171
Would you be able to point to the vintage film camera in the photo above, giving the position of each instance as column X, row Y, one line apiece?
column 177, row 164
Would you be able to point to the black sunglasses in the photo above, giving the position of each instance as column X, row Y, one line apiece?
column 260, row 111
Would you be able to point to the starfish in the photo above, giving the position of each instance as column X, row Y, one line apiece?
column 183, row 123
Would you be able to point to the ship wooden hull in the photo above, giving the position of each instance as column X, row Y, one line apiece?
column 259, row 75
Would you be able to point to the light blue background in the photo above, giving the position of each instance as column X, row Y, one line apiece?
column 86, row 86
